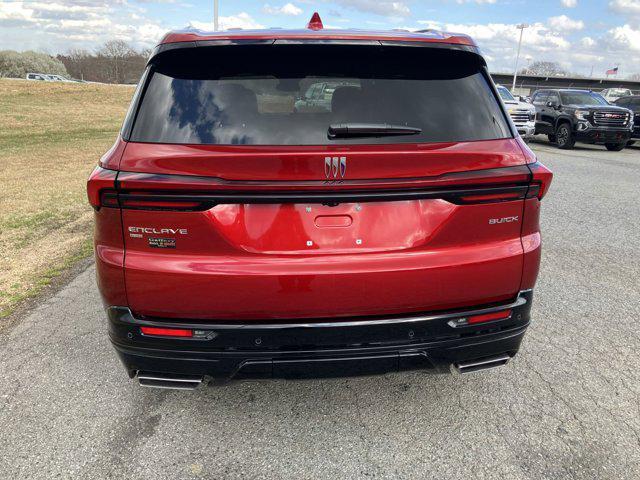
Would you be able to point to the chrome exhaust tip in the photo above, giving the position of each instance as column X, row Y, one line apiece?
column 481, row 364
column 169, row 380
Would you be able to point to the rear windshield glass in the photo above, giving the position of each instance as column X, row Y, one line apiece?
column 291, row 94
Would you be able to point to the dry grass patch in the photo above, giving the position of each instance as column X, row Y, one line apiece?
column 51, row 137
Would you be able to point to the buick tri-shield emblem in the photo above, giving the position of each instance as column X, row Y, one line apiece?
column 335, row 167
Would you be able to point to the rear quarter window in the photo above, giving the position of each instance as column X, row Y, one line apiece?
column 290, row 94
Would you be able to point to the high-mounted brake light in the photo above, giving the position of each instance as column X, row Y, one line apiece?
column 316, row 22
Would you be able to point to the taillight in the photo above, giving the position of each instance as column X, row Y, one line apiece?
column 492, row 197
column 146, row 201
column 160, row 205
column 100, row 181
column 541, row 180
column 189, row 193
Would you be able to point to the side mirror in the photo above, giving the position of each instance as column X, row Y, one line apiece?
column 552, row 105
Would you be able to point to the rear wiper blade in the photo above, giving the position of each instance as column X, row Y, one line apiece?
column 349, row 130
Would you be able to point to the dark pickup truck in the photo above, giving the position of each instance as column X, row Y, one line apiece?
column 632, row 102
column 568, row 115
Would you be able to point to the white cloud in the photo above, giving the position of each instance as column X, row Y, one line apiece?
column 241, row 20
column 286, row 9
column 587, row 42
column 64, row 24
column 430, row 24
column 498, row 41
column 504, row 36
column 382, row 7
column 564, row 23
column 624, row 38
column 629, row 9
column 625, row 7
column 59, row 25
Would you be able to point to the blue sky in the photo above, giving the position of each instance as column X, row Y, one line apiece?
column 580, row 34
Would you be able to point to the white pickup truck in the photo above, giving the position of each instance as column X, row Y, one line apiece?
column 523, row 114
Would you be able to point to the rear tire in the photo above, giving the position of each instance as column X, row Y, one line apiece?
column 630, row 142
column 614, row 147
column 564, row 137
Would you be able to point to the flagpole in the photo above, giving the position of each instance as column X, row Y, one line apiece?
column 215, row 15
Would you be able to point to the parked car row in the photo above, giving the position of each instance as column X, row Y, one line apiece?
column 568, row 116
column 613, row 94
column 632, row 102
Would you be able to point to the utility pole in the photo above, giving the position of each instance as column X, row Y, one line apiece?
column 215, row 15
column 521, row 27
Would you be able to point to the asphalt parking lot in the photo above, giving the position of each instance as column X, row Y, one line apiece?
column 567, row 407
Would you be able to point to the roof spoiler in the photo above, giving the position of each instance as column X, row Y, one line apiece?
column 167, row 47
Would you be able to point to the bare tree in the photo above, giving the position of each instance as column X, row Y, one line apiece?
column 78, row 62
column 549, row 69
column 118, row 51
column 115, row 62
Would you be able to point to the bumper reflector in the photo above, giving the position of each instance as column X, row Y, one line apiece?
column 485, row 317
column 488, row 317
column 166, row 332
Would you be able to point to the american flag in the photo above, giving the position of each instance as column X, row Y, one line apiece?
column 613, row 71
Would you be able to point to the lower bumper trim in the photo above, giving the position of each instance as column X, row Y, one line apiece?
column 426, row 342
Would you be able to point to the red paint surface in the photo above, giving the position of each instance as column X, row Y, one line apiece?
column 109, row 254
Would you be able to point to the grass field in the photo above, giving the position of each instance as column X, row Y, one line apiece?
column 51, row 137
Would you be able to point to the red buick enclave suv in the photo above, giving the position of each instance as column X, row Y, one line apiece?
column 291, row 203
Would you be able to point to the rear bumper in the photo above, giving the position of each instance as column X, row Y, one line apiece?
column 319, row 349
